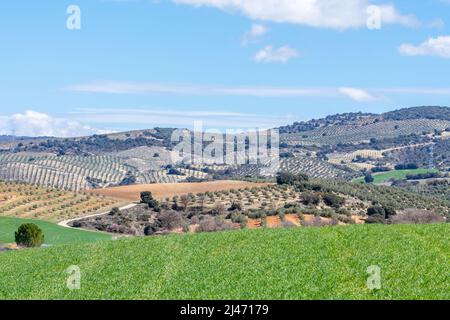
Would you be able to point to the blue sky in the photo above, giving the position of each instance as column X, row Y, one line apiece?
column 233, row 64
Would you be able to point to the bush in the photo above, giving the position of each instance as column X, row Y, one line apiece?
column 333, row 200
column 417, row 217
column 407, row 166
column 29, row 235
column 239, row 218
column 256, row 214
column 291, row 179
column 376, row 210
column 368, row 178
column 170, row 220
column 210, row 224
column 235, row 206
column 218, row 209
column 376, row 218
column 149, row 230
column 114, row 211
column 310, row 199
column 146, row 197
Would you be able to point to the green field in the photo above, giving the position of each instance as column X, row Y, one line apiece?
column 289, row 263
column 54, row 234
column 396, row 174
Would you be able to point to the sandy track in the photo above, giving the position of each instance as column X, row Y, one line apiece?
column 65, row 223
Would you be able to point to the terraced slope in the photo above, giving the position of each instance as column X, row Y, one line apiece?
column 332, row 135
column 65, row 172
column 27, row 201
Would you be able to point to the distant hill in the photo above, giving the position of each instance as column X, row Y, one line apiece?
column 425, row 112
column 338, row 146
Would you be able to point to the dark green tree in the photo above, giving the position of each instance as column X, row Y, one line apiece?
column 29, row 235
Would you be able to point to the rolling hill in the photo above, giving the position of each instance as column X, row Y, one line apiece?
column 342, row 147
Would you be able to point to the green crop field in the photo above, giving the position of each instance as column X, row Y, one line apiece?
column 289, row 263
column 396, row 174
column 54, row 234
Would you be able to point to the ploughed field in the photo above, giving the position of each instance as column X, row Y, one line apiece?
column 22, row 200
column 291, row 263
column 162, row 191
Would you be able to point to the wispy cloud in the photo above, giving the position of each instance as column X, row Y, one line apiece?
column 353, row 93
column 154, row 88
column 281, row 55
column 150, row 117
column 254, row 34
column 438, row 47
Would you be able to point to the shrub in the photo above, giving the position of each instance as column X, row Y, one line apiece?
column 376, row 210
column 407, row 166
column 417, row 217
column 235, row 206
column 149, row 230
column 170, row 220
column 238, row 218
column 368, row 178
column 291, row 179
column 310, row 199
column 256, row 214
column 29, row 235
column 218, row 209
column 333, row 200
column 376, row 218
column 210, row 224
column 114, row 211
column 146, row 197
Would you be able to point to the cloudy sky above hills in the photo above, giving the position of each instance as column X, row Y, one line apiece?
column 232, row 64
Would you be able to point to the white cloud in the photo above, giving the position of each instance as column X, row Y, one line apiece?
column 157, row 88
column 257, row 31
column 438, row 47
column 36, row 124
column 337, row 14
column 359, row 95
column 148, row 117
column 280, row 55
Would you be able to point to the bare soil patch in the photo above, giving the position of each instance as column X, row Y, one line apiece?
column 161, row 191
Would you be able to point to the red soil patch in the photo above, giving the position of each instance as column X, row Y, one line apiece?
column 253, row 223
column 293, row 218
column 273, row 221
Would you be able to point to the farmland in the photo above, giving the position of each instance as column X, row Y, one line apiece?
column 27, row 201
column 54, row 234
column 356, row 133
column 283, row 264
column 395, row 174
column 161, row 191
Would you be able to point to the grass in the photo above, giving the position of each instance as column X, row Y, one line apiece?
column 54, row 234
column 290, row 263
column 396, row 174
